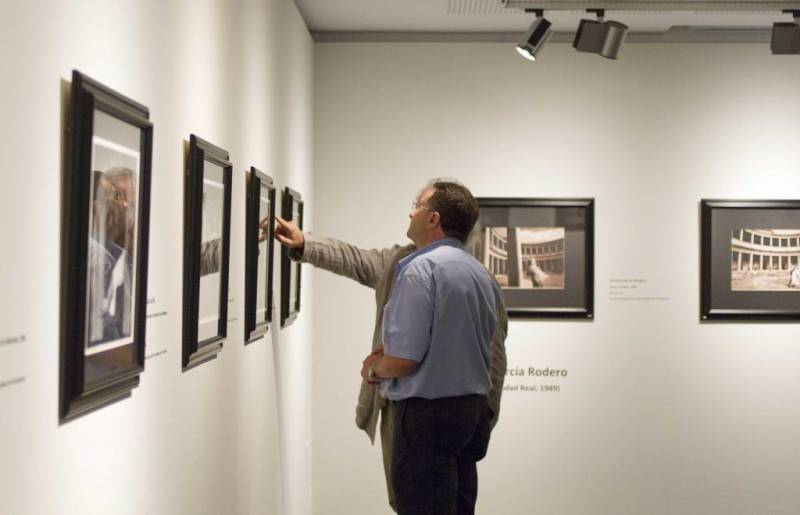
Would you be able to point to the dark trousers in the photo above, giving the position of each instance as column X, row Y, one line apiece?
column 436, row 446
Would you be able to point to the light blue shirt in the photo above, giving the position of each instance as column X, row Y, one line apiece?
column 441, row 314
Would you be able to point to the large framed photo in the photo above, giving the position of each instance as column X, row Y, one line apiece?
column 259, row 246
column 750, row 255
column 541, row 252
column 105, row 210
column 207, row 226
column 291, row 209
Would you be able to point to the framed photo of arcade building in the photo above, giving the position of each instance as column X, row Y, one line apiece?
column 750, row 258
column 105, row 212
column 541, row 252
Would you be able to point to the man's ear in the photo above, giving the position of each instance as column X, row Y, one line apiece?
column 435, row 218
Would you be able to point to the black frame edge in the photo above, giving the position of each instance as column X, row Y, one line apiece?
column 193, row 351
column 85, row 96
column 254, row 330
column 289, row 315
column 585, row 313
column 707, row 312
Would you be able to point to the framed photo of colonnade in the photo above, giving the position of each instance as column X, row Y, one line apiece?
column 750, row 259
column 541, row 252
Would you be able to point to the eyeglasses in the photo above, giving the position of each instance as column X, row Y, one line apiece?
column 417, row 205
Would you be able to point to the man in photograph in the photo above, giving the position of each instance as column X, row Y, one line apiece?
column 536, row 274
column 123, row 182
column 440, row 222
column 794, row 276
column 109, row 258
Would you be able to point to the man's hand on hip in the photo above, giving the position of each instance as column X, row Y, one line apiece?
column 369, row 363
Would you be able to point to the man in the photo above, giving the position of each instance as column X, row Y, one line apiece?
column 794, row 276
column 110, row 260
column 376, row 269
column 434, row 367
column 537, row 275
column 124, row 183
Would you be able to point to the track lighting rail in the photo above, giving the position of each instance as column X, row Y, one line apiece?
column 655, row 5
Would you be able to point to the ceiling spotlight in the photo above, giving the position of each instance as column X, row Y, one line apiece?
column 600, row 37
column 538, row 33
column 786, row 36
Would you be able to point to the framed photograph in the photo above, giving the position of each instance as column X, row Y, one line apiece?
column 105, row 216
column 541, row 252
column 259, row 246
column 291, row 209
column 207, row 228
column 750, row 255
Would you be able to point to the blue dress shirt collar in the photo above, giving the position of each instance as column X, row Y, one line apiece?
column 452, row 242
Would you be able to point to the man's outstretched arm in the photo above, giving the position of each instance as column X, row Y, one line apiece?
column 365, row 266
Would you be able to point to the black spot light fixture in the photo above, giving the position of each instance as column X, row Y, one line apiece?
column 599, row 36
column 786, row 36
column 536, row 36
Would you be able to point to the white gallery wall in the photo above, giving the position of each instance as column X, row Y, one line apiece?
column 232, row 435
column 658, row 413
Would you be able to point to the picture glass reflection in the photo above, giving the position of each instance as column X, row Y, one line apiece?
column 112, row 234
column 112, row 247
column 211, row 245
column 295, row 267
column 262, row 313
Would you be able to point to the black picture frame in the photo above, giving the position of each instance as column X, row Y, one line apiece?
column 539, row 274
column 742, row 277
column 107, row 167
column 258, row 185
column 290, row 282
column 205, row 258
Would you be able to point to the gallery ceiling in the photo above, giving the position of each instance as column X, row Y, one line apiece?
column 415, row 19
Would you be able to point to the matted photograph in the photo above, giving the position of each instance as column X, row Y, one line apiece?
column 292, row 210
column 207, row 219
column 259, row 248
column 540, row 252
column 765, row 260
column 112, row 233
column 104, row 247
column 538, row 261
column 750, row 260
column 211, row 242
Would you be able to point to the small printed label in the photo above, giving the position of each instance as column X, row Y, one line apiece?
column 156, row 315
column 633, row 289
column 156, row 354
column 532, row 388
column 11, row 382
column 10, row 340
